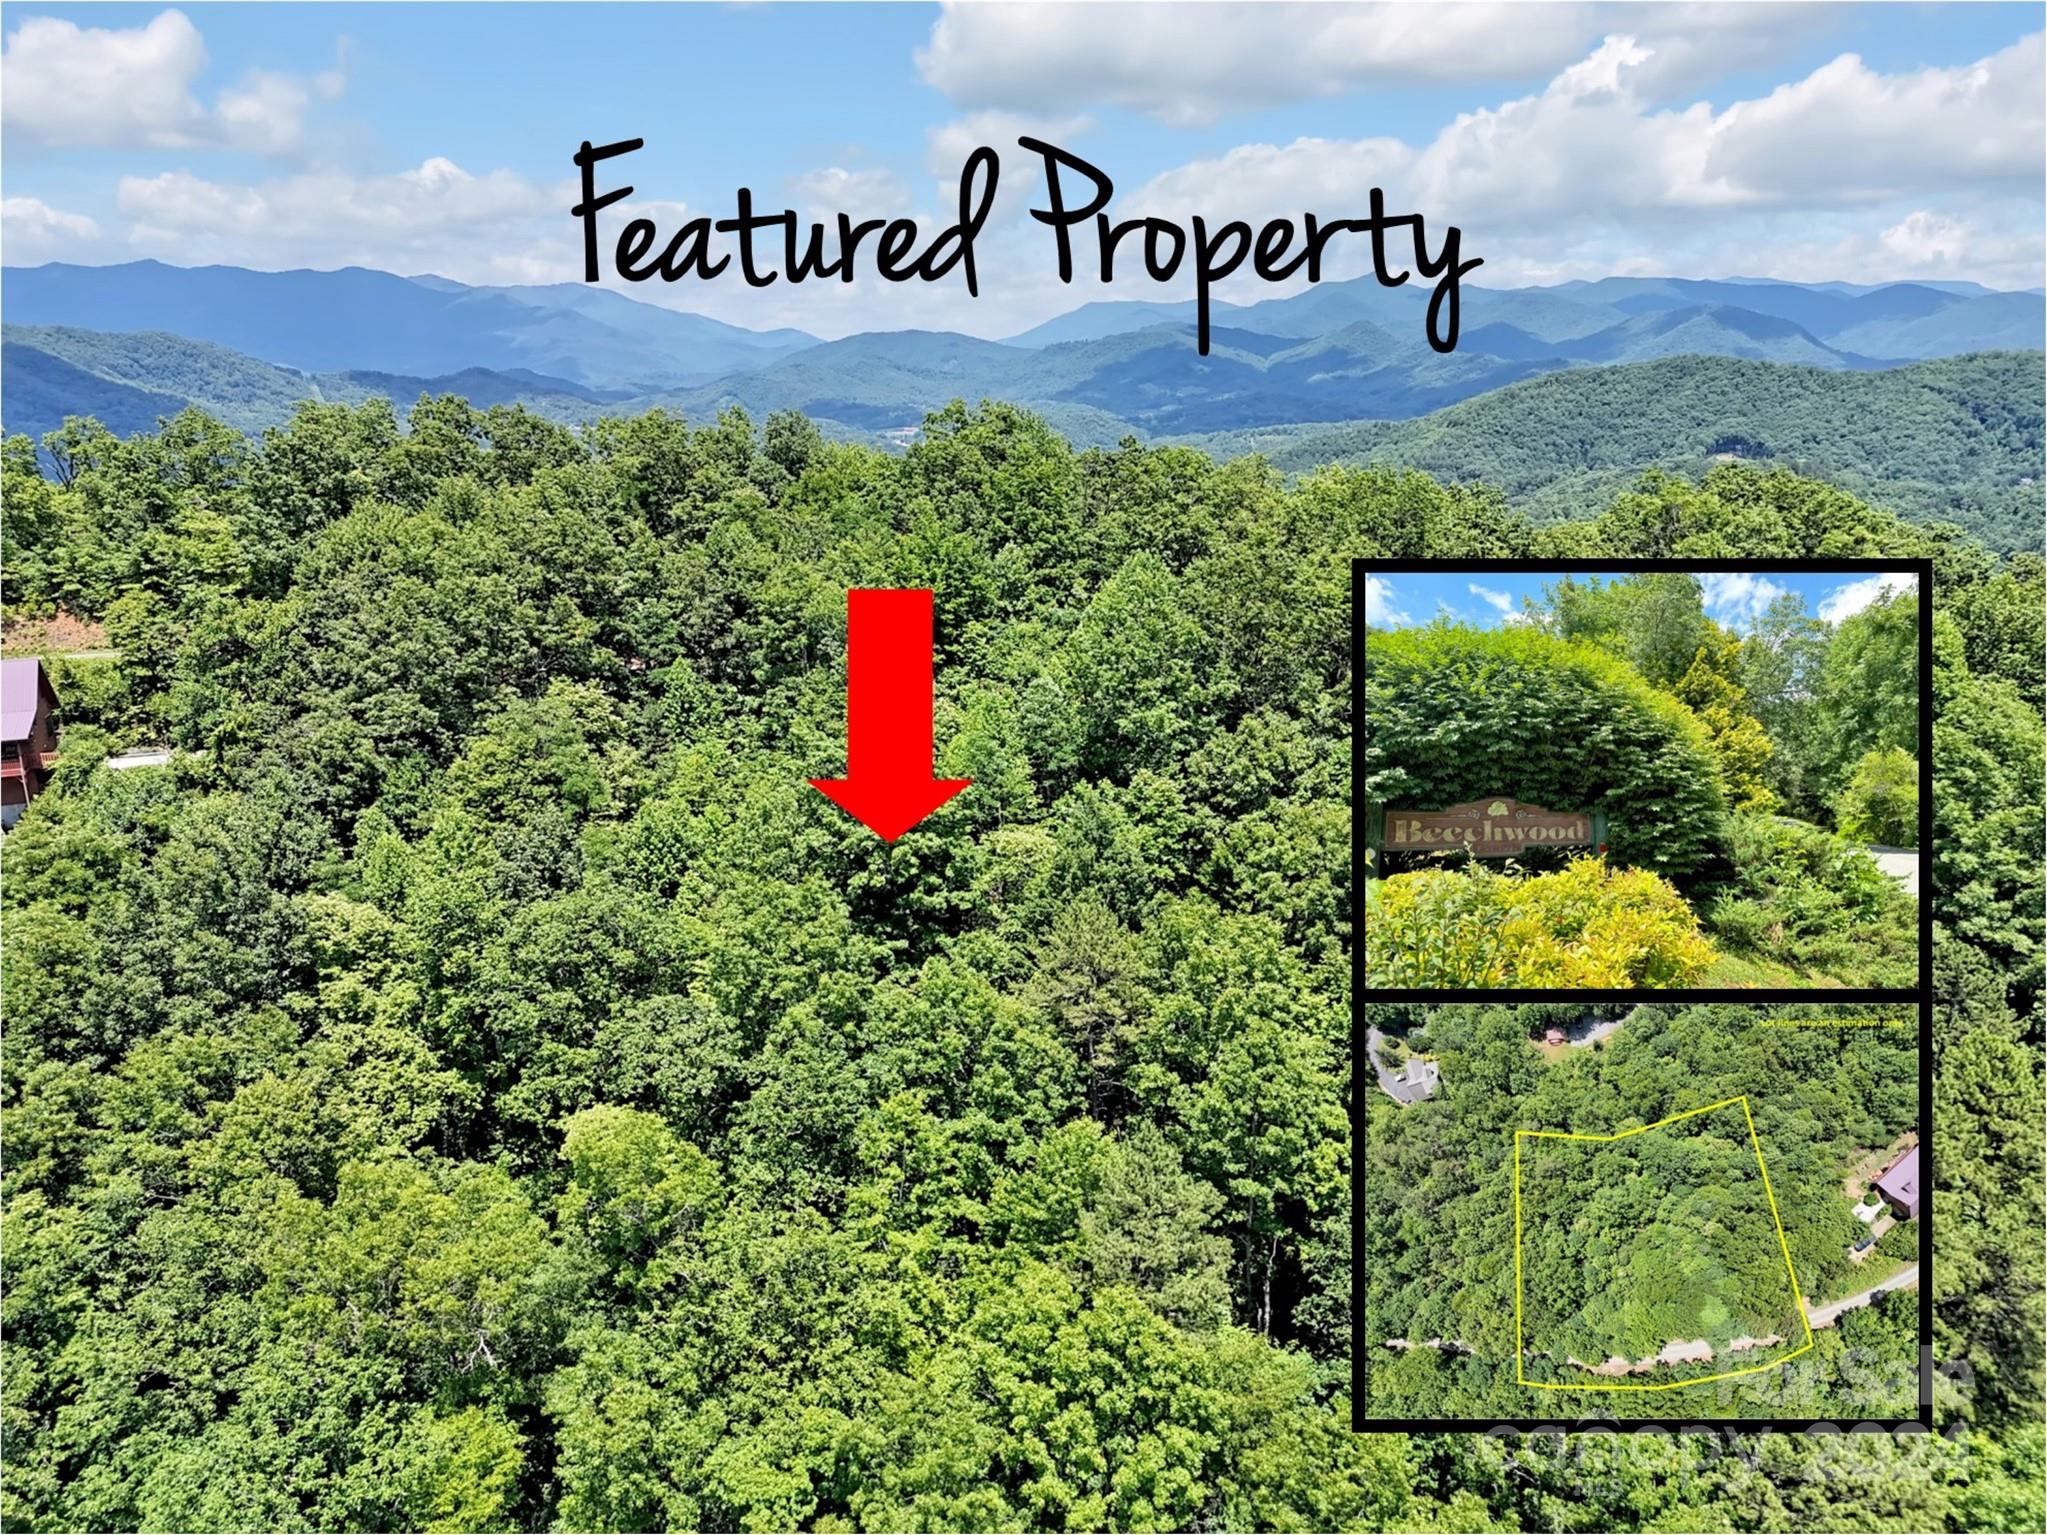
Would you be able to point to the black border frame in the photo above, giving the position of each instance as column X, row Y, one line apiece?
column 1920, row 995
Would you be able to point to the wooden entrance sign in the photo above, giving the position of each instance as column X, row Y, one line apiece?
column 1496, row 827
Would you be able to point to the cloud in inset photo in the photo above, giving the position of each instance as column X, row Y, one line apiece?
column 1499, row 600
column 1848, row 600
column 1737, row 598
column 1381, row 606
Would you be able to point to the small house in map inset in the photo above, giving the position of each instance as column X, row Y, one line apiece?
column 1899, row 1184
column 28, row 734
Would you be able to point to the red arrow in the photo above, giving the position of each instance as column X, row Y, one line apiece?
column 888, row 785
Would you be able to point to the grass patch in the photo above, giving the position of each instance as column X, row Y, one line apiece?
column 1738, row 970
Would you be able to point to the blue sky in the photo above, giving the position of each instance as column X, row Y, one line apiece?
column 1733, row 599
column 1851, row 142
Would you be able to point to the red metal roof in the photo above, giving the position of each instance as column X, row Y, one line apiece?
column 23, row 688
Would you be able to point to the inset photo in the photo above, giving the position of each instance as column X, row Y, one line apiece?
column 1640, row 1210
column 1622, row 775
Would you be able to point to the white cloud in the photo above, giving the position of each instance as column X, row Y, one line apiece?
column 1021, row 173
column 1847, row 133
column 1381, row 605
column 1192, row 64
column 1594, row 139
column 266, row 114
column 434, row 217
column 1997, row 240
column 2003, row 251
column 1694, row 43
column 1737, row 598
column 1499, row 600
column 864, row 194
column 64, row 85
column 32, row 231
column 1926, row 239
column 947, row 146
column 1591, row 176
column 1332, row 177
column 1848, row 600
column 1587, row 141
column 1592, row 143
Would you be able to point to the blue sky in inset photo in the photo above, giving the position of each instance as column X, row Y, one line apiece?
column 1734, row 599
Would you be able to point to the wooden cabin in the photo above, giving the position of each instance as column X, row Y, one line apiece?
column 28, row 735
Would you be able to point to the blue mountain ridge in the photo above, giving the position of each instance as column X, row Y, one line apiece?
column 1338, row 351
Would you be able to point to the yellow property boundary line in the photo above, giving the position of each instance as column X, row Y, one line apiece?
column 1836, row 1023
column 1797, row 1293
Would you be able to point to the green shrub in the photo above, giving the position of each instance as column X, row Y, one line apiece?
column 1802, row 896
column 1881, row 801
column 1455, row 714
column 1900, row 1243
column 93, row 690
column 1580, row 926
column 1744, row 923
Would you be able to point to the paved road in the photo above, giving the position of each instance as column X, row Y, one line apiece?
column 1902, row 864
column 1590, row 1030
column 1820, row 1316
column 1825, row 1316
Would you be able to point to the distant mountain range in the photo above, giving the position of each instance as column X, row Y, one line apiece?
column 1335, row 370
column 1860, row 323
column 1337, row 352
column 330, row 322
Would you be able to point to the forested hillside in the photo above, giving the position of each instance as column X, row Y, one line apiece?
column 130, row 382
column 479, row 1085
column 1955, row 440
column 1631, row 1244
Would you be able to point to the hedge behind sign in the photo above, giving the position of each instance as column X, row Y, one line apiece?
column 1454, row 715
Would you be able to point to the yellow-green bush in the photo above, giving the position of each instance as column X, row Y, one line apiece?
column 1881, row 801
column 1583, row 925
